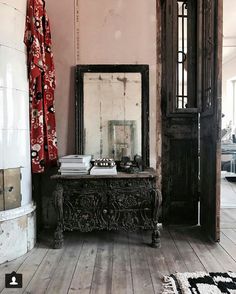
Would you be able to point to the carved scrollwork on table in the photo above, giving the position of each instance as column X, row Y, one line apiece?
column 84, row 212
column 121, row 203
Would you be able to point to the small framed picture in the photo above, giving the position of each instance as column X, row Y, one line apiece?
column 122, row 138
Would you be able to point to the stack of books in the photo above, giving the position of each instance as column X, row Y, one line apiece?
column 74, row 164
column 104, row 166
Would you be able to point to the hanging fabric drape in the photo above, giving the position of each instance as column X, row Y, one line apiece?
column 41, row 87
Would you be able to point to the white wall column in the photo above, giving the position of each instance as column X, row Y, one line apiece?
column 14, row 128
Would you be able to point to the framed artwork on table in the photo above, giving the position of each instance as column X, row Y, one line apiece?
column 122, row 138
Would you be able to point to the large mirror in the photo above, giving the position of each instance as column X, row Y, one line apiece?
column 112, row 111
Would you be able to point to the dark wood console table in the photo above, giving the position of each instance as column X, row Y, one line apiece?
column 124, row 201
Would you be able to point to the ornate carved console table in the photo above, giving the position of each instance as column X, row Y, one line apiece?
column 124, row 201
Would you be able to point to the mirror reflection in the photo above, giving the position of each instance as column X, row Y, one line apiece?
column 113, row 114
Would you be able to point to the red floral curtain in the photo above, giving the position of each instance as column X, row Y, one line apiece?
column 41, row 87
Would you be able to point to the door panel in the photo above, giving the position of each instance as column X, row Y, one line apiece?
column 184, row 168
column 210, row 119
column 180, row 172
column 179, row 118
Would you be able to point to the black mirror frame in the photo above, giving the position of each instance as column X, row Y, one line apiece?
column 79, row 101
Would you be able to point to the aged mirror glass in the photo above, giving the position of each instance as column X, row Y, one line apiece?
column 112, row 111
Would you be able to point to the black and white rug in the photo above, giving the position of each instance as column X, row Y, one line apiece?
column 200, row 283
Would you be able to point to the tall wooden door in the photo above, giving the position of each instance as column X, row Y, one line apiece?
column 179, row 113
column 210, row 118
column 191, row 113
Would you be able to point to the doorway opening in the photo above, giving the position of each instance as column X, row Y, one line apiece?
column 228, row 137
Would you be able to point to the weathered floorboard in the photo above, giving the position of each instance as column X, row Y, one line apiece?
column 230, row 233
column 102, row 275
column 11, row 266
column 173, row 258
column 228, row 218
column 156, row 263
column 142, row 282
column 62, row 276
column 82, row 278
column 121, row 274
column 28, row 269
column 187, row 253
column 203, row 253
column 228, row 245
column 44, row 273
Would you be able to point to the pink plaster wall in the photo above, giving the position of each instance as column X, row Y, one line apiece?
column 61, row 15
column 117, row 31
column 110, row 31
column 121, row 31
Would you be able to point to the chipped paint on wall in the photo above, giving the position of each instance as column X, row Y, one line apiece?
column 118, row 34
column 17, row 236
column 22, row 222
column 1, row 230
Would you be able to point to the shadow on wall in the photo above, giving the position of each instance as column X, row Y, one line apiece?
column 43, row 189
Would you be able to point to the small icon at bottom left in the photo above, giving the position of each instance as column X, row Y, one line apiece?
column 13, row 280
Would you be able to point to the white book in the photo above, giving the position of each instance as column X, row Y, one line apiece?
column 67, row 170
column 75, row 158
column 73, row 172
column 96, row 170
column 75, row 165
column 73, row 169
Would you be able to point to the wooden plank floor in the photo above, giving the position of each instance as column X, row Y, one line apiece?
column 228, row 218
column 228, row 192
column 119, row 262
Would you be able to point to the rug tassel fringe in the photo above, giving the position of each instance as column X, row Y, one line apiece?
column 169, row 286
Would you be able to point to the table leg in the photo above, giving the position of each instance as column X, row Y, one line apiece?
column 156, row 242
column 58, row 234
